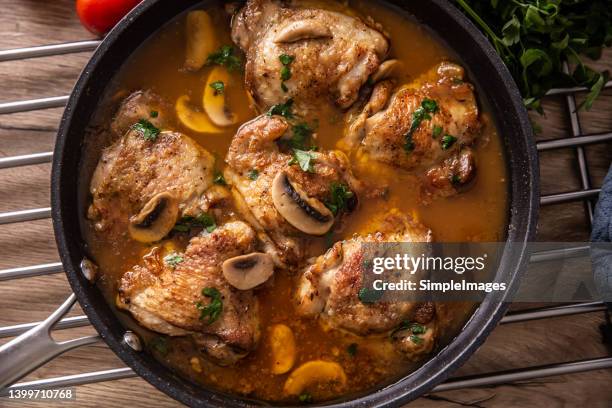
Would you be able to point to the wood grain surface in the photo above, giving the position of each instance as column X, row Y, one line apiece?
column 34, row 22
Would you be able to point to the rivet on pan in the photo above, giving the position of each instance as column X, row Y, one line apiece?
column 89, row 269
column 132, row 340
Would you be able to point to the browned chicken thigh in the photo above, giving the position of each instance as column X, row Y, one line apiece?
column 186, row 293
column 277, row 196
column 305, row 54
column 332, row 288
column 426, row 127
column 148, row 179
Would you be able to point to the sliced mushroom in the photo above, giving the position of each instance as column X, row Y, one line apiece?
column 201, row 41
column 215, row 102
column 307, row 214
column 194, row 120
column 302, row 30
column 385, row 70
column 248, row 271
column 155, row 220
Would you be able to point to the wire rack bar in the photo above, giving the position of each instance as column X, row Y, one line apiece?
column 30, row 271
column 565, row 91
column 552, row 311
column 25, row 160
column 523, row 374
column 33, row 104
column 574, row 141
column 569, row 196
column 48, row 50
column 73, row 380
column 65, row 323
column 25, row 215
column 481, row 380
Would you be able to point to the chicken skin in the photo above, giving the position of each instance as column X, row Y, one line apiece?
column 267, row 181
column 426, row 127
column 170, row 293
column 309, row 55
column 332, row 289
column 147, row 169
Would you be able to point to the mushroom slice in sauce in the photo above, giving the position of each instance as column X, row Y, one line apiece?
column 155, row 220
column 307, row 214
column 248, row 271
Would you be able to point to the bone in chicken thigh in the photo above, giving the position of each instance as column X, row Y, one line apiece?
column 426, row 127
column 164, row 297
column 305, row 54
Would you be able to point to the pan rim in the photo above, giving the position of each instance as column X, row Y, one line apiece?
column 434, row 371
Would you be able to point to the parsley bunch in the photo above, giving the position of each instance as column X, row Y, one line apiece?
column 535, row 37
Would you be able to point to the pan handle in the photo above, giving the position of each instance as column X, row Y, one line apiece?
column 35, row 347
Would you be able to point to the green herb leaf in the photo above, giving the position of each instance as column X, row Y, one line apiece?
column 282, row 109
column 173, row 260
column 300, row 134
column 160, row 344
column 203, row 220
column 416, row 339
column 219, row 179
column 154, row 114
column 304, row 159
column 340, row 194
column 455, row 179
column 305, row 398
column 423, row 112
column 286, row 59
column 352, row 349
column 148, row 130
column 213, row 309
column 253, row 174
column 448, row 141
column 369, row 295
column 285, row 73
column 224, row 56
column 437, row 131
column 219, row 87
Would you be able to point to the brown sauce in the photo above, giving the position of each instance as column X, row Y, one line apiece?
column 479, row 214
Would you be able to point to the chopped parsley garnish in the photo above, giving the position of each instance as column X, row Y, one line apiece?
column 286, row 59
column 448, row 141
column 253, row 174
column 305, row 398
column 173, row 260
column 148, row 130
column 423, row 112
column 285, row 72
column 160, row 344
column 437, row 131
column 219, row 179
column 225, row 56
column 339, row 197
column 455, row 179
column 219, row 87
column 154, row 114
column 415, row 330
column 304, row 159
column 213, row 309
column 369, row 295
column 416, row 339
column 301, row 132
column 282, row 109
column 352, row 349
column 408, row 142
column 203, row 220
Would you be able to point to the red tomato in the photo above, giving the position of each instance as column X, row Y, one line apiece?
column 99, row 16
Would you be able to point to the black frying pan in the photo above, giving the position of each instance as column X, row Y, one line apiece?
column 490, row 76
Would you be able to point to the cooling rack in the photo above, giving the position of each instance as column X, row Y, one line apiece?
column 576, row 140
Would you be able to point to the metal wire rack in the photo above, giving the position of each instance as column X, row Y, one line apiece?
column 576, row 140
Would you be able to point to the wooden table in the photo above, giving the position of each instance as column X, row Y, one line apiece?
column 32, row 22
